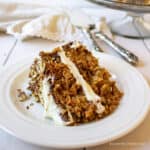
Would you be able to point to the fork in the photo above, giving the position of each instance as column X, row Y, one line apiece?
column 124, row 53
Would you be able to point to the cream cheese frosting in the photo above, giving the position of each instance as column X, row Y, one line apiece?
column 88, row 91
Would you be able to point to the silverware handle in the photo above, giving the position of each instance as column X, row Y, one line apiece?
column 127, row 55
column 92, row 41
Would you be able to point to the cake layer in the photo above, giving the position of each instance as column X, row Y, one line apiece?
column 60, row 92
column 97, row 77
column 71, row 85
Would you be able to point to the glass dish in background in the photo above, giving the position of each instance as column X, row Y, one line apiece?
column 133, row 24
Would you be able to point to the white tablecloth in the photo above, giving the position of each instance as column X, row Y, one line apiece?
column 11, row 50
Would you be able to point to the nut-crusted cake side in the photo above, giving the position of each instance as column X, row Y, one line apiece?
column 99, row 78
column 36, row 76
column 71, row 85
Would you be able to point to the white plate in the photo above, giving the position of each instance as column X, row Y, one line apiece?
column 30, row 126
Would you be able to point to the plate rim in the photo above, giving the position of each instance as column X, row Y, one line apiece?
column 138, row 121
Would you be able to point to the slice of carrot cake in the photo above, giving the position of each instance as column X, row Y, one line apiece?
column 71, row 85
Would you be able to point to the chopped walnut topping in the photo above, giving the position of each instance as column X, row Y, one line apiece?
column 22, row 95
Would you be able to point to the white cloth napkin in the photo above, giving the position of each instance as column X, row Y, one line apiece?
column 31, row 20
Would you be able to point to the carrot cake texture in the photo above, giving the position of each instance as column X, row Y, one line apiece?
column 71, row 85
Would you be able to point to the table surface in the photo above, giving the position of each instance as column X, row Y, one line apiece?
column 12, row 50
